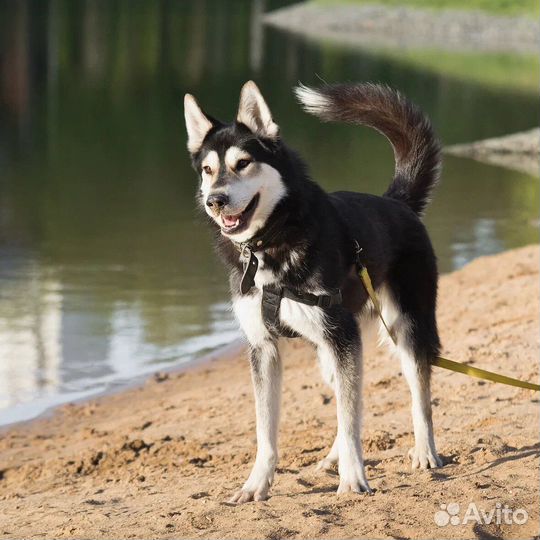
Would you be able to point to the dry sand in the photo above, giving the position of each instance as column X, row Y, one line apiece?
column 161, row 460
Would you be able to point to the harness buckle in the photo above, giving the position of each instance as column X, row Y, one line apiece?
column 329, row 300
column 324, row 301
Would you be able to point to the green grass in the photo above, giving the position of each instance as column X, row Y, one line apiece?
column 505, row 71
column 527, row 8
column 519, row 72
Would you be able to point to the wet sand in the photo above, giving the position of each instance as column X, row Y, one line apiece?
column 161, row 460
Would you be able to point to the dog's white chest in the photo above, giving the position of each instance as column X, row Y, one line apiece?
column 304, row 320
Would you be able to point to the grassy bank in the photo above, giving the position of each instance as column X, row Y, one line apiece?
column 526, row 8
column 519, row 72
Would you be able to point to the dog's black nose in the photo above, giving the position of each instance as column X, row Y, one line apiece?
column 218, row 200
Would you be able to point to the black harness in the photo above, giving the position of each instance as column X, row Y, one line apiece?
column 271, row 303
column 273, row 294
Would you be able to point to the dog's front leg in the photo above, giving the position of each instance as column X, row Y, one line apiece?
column 343, row 352
column 266, row 377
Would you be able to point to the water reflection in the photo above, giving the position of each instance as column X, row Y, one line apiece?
column 29, row 328
column 105, row 267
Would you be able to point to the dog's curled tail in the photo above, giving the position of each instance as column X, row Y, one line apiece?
column 416, row 148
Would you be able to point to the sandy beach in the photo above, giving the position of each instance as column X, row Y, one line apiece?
column 161, row 460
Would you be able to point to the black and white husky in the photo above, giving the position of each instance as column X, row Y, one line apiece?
column 293, row 252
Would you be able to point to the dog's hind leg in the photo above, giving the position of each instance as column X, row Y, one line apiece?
column 413, row 295
column 341, row 348
column 417, row 372
column 327, row 367
column 327, row 464
column 266, row 372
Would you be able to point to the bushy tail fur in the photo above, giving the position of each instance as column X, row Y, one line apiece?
column 416, row 148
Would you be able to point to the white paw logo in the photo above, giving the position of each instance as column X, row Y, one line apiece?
column 448, row 513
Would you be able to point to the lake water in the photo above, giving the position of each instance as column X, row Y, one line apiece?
column 106, row 272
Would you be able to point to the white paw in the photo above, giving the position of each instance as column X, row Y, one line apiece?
column 356, row 485
column 257, row 485
column 246, row 495
column 352, row 478
column 327, row 465
column 424, row 458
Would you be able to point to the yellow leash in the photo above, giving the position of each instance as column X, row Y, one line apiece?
column 439, row 361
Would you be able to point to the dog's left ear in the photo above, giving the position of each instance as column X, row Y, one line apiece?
column 254, row 112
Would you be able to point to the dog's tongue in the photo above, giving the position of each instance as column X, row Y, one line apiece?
column 229, row 221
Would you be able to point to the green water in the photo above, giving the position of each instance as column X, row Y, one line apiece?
column 106, row 271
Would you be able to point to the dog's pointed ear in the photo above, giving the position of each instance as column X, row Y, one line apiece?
column 254, row 112
column 197, row 124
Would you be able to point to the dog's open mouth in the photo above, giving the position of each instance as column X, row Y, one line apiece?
column 231, row 224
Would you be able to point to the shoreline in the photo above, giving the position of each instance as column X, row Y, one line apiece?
column 374, row 25
column 160, row 460
column 221, row 354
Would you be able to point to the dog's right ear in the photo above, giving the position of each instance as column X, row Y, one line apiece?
column 197, row 124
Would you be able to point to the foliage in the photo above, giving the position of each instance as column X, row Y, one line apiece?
column 527, row 8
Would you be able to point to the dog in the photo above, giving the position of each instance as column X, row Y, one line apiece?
column 293, row 253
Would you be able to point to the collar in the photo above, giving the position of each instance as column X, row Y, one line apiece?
column 264, row 238
column 260, row 241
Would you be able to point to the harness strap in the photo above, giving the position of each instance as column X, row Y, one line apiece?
column 271, row 304
column 270, row 307
column 320, row 300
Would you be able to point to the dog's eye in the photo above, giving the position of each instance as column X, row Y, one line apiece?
column 207, row 169
column 242, row 164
